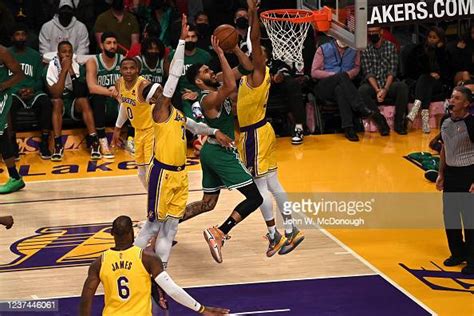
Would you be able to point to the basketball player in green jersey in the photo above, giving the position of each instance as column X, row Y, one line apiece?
column 102, row 72
column 29, row 93
column 221, row 167
column 152, row 60
column 8, row 63
column 192, row 55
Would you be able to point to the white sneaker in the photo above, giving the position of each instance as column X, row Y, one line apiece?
column 414, row 111
column 298, row 137
column 104, row 146
column 130, row 145
column 425, row 121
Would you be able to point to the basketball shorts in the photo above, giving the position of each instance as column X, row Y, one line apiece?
column 167, row 191
column 5, row 105
column 257, row 147
column 144, row 140
column 29, row 104
column 222, row 168
column 69, row 109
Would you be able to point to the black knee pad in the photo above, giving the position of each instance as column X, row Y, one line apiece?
column 253, row 200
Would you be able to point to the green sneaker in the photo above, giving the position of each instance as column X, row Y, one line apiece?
column 12, row 185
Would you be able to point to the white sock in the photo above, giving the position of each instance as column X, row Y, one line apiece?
column 281, row 197
column 417, row 102
column 267, row 206
column 271, row 231
column 142, row 176
column 299, row 126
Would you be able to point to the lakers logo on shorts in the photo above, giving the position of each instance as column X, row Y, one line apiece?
column 60, row 247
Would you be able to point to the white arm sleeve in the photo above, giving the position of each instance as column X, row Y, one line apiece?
column 122, row 117
column 176, row 292
column 176, row 70
column 199, row 128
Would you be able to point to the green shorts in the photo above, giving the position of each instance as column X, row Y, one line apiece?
column 111, row 110
column 5, row 105
column 222, row 168
column 69, row 110
column 29, row 104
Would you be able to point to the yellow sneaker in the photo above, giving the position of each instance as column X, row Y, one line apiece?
column 292, row 241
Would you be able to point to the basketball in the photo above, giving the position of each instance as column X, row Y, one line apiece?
column 227, row 36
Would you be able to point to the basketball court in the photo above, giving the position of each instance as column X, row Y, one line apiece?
column 63, row 219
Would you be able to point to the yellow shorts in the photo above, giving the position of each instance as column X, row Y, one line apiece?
column 167, row 191
column 144, row 140
column 257, row 148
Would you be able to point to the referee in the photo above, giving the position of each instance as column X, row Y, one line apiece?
column 456, row 179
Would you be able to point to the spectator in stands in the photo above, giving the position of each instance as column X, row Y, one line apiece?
column 152, row 59
column 103, row 70
column 152, row 29
column 64, row 27
column 379, row 63
column 163, row 12
column 427, row 64
column 336, row 65
column 241, row 21
column 121, row 22
column 192, row 55
column 66, row 84
column 204, row 31
column 284, row 83
column 29, row 93
column 461, row 57
column 29, row 13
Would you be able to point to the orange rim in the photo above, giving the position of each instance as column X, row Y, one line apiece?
column 291, row 15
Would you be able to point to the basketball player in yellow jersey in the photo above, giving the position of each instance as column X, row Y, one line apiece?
column 257, row 139
column 138, row 111
column 125, row 271
column 167, row 177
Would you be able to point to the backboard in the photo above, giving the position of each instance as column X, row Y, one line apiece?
column 349, row 22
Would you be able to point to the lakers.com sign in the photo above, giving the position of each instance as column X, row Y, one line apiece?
column 392, row 12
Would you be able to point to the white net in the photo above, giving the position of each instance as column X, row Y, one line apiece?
column 287, row 36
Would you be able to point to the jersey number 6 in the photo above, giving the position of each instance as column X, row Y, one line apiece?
column 123, row 290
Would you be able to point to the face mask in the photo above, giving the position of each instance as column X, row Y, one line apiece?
column 65, row 18
column 118, row 5
column 242, row 23
column 109, row 53
column 19, row 44
column 374, row 38
column 341, row 44
column 152, row 57
column 202, row 28
column 189, row 46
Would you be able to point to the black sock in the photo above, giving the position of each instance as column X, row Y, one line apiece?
column 228, row 225
column 101, row 132
column 94, row 137
column 57, row 141
column 13, row 173
column 45, row 137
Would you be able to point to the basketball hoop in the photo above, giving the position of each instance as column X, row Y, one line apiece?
column 287, row 29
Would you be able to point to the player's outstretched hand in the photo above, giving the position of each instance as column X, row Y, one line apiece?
column 184, row 27
column 215, row 311
column 215, row 46
column 224, row 140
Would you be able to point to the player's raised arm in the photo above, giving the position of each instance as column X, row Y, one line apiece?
column 162, row 102
column 258, row 58
column 155, row 267
column 90, row 287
